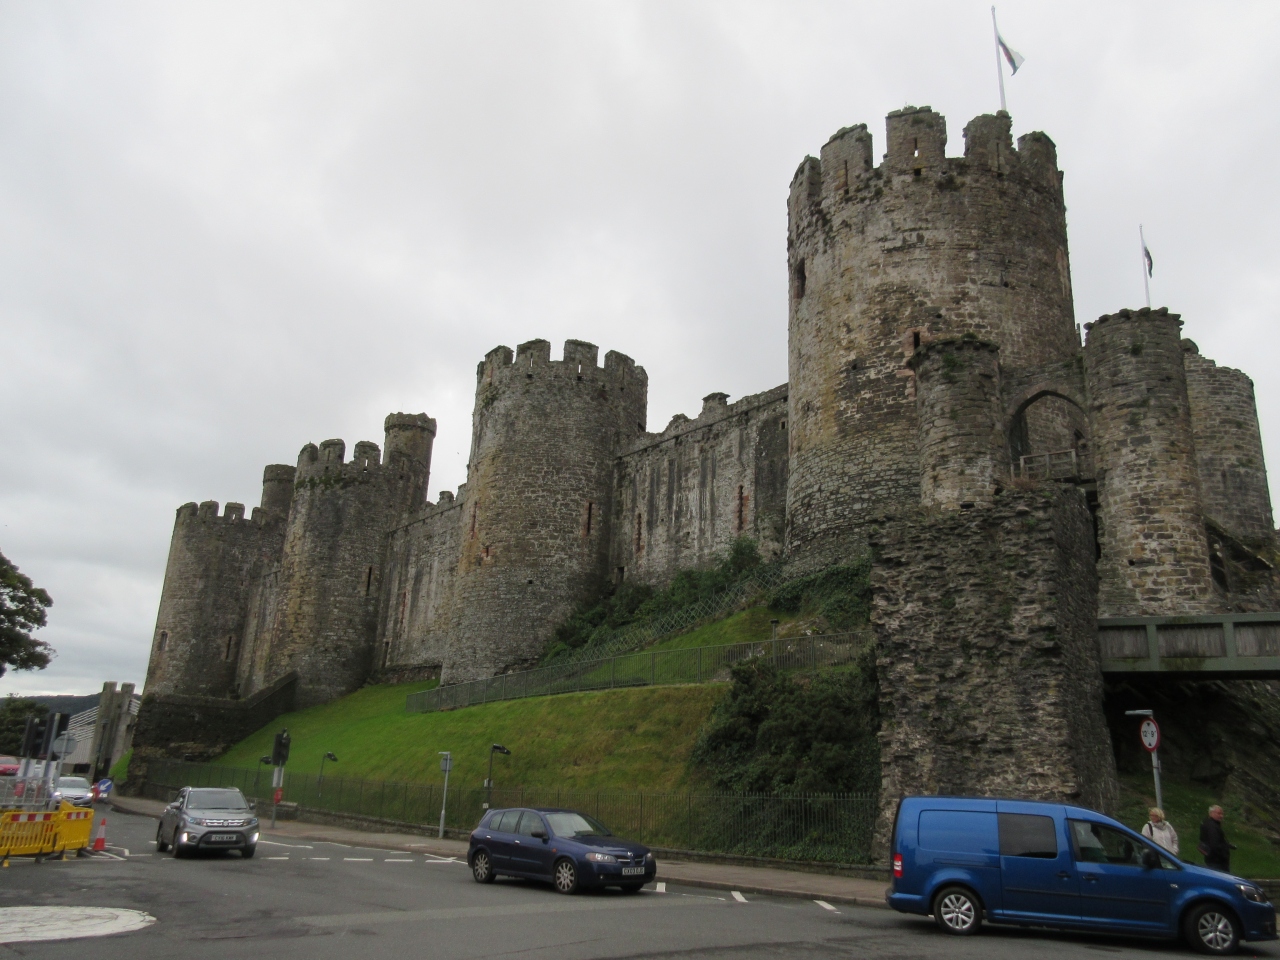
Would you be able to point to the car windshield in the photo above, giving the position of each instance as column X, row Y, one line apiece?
column 73, row 783
column 8, row 760
column 216, row 800
column 576, row 825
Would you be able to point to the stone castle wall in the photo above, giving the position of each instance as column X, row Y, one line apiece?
column 990, row 682
column 684, row 495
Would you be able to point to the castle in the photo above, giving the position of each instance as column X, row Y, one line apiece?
column 936, row 373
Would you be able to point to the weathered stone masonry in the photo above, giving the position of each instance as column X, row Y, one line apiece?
column 940, row 409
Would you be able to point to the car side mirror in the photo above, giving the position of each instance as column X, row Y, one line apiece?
column 1151, row 859
column 539, row 835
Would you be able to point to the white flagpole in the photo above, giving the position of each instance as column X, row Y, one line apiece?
column 1146, row 283
column 999, row 66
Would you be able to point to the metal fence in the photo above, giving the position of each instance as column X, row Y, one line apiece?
column 27, row 793
column 644, row 669
column 831, row 828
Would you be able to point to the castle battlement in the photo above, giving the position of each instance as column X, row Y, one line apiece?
column 715, row 409
column 532, row 361
column 232, row 515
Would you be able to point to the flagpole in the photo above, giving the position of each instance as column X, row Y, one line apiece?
column 1146, row 283
column 999, row 66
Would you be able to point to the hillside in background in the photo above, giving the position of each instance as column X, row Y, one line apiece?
column 638, row 739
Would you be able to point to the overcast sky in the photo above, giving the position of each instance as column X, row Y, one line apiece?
column 229, row 229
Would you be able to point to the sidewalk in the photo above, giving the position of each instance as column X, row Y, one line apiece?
column 771, row 881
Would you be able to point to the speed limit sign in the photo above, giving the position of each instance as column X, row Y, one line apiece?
column 1150, row 734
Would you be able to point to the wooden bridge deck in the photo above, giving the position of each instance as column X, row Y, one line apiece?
column 1243, row 646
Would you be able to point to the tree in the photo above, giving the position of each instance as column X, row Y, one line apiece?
column 13, row 722
column 22, row 609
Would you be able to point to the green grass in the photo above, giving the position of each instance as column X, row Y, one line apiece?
column 1186, row 806
column 637, row 739
column 745, row 626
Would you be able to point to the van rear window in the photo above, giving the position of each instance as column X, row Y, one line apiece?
column 1028, row 835
column 958, row 831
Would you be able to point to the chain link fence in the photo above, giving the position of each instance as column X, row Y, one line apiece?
column 833, row 828
column 643, row 669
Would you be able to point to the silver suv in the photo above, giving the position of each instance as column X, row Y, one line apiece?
column 208, row 818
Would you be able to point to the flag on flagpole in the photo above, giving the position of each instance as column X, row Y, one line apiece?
column 1013, row 56
column 1146, row 255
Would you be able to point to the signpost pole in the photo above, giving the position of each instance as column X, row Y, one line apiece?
column 1149, row 733
column 446, row 764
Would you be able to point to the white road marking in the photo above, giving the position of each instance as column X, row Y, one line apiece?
column 296, row 846
column 152, row 842
column 437, row 859
column 26, row 924
column 277, row 858
column 826, row 906
column 317, row 858
column 739, row 897
column 661, row 886
column 394, row 860
column 358, row 859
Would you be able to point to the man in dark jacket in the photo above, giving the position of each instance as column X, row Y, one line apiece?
column 1213, row 842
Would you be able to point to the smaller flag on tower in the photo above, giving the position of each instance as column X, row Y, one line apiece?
column 1146, row 255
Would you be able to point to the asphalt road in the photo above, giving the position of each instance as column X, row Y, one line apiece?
column 318, row 901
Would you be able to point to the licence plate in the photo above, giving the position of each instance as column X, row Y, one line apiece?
column 632, row 871
column 223, row 838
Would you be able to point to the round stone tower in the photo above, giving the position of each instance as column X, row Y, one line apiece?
column 1233, row 473
column 1155, row 550
column 964, row 455
column 213, row 562
column 882, row 260
column 331, row 570
column 539, row 496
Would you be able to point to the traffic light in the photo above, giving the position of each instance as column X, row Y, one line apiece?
column 33, row 735
column 280, row 749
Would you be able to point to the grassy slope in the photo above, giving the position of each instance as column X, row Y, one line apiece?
column 1186, row 806
column 622, row 740
column 745, row 626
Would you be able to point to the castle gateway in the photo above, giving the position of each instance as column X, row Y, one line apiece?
column 935, row 372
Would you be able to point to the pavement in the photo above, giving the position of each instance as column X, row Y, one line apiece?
column 769, row 881
column 306, row 898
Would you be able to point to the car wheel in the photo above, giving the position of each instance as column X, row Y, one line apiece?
column 566, row 876
column 248, row 852
column 482, row 867
column 1211, row 928
column 161, row 846
column 632, row 887
column 956, row 910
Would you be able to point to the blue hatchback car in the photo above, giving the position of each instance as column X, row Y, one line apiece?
column 1048, row 865
column 570, row 849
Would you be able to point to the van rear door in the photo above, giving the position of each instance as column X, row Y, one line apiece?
column 1038, row 875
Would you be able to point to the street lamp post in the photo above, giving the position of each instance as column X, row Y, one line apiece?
column 320, row 780
column 496, row 748
column 446, row 764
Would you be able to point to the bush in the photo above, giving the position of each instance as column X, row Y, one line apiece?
column 629, row 603
column 841, row 595
column 794, row 735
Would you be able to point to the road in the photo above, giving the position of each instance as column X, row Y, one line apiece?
column 325, row 901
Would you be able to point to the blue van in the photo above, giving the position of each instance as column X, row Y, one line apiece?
column 1048, row 865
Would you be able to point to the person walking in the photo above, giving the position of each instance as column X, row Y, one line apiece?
column 1213, row 842
column 1159, row 830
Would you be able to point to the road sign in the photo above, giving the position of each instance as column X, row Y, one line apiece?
column 446, row 763
column 64, row 745
column 1150, row 734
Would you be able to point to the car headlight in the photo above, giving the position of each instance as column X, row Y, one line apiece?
column 1250, row 892
column 196, row 820
column 649, row 857
column 254, row 837
column 602, row 857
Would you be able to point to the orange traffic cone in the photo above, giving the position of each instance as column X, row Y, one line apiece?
column 100, row 841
